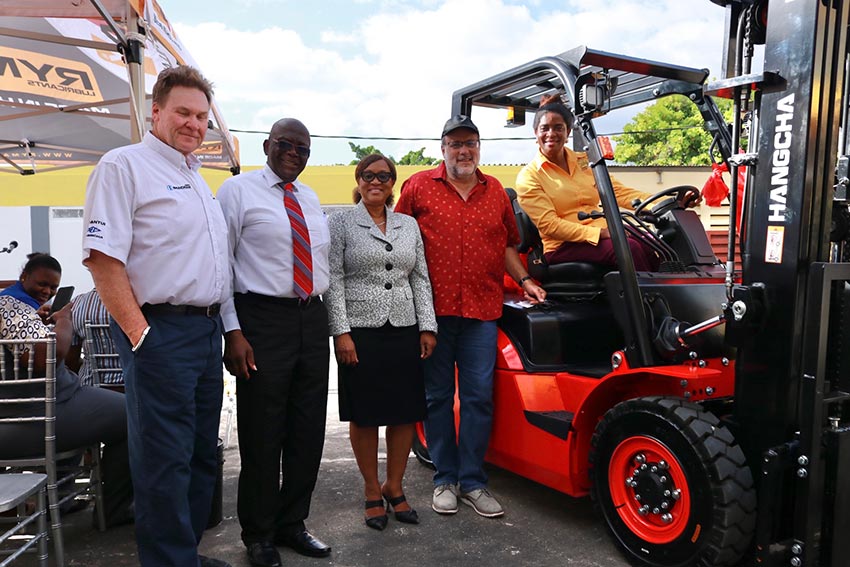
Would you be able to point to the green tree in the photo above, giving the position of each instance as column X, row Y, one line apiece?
column 417, row 158
column 362, row 151
column 669, row 132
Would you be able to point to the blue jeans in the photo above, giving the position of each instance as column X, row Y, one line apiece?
column 471, row 345
column 174, row 389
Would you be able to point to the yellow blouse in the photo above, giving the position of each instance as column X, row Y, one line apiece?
column 553, row 197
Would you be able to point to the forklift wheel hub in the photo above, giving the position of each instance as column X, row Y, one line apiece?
column 649, row 489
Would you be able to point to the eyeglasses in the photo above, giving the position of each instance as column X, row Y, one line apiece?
column 284, row 146
column 369, row 176
column 471, row 144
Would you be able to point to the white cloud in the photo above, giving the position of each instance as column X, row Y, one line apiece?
column 393, row 73
column 331, row 36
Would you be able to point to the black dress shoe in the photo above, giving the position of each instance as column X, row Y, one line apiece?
column 376, row 522
column 212, row 562
column 263, row 554
column 304, row 543
column 406, row 516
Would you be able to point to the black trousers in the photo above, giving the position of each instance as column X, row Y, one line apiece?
column 281, row 413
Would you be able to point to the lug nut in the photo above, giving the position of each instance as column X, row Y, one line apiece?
column 802, row 473
column 665, row 505
column 796, row 562
column 643, row 510
column 802, row 460
column 796, row 549
column 667, row 518
column 677, row 494
column 640, row 458
column 656, row 511
column 663, row 465
column 662, row 479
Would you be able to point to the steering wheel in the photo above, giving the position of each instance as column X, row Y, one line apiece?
column 670, row 198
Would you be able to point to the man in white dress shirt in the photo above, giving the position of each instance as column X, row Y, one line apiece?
column 277, row 346
column 156, row 243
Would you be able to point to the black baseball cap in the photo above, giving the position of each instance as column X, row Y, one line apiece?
column 459, row 121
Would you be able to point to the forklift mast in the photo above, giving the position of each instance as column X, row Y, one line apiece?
column 788, row 316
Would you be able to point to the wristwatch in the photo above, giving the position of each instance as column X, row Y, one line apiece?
column 523, row 280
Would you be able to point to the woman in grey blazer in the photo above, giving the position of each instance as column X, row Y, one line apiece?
column 381, row 315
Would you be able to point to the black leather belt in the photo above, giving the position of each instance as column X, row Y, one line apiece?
column 169, row 309
column 289, row 301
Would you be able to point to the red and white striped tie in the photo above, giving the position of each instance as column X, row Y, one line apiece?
column 302, row 258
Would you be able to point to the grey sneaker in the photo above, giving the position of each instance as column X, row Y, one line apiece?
column 445, row 499
column 483, row 502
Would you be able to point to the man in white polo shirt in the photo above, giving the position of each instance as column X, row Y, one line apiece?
column 156, row 243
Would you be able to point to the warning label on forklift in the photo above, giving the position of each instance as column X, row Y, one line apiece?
column 773, row 246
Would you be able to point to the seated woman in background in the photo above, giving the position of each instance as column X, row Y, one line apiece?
column 84, row 415
column 558, row 184
column 381, row 316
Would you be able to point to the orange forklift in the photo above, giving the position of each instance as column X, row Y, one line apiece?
column 704, row 407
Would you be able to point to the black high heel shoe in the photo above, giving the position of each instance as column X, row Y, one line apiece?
column 376, row 522
column 404, row 516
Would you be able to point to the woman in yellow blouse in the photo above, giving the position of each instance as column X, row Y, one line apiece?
column 559, row 183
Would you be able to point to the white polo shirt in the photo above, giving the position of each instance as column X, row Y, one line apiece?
column 261, row 238
column 148, row 208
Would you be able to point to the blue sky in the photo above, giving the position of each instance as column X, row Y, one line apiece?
column 388, row 67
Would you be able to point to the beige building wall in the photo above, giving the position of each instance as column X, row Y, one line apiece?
column 59, row 195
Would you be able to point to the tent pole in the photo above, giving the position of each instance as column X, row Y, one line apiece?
column 134, row 55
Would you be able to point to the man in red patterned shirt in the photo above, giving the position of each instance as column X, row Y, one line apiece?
column 470, row 235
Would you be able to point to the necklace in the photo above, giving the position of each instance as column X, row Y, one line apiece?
column 380, row 223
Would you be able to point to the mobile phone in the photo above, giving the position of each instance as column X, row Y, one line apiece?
column 63, row 297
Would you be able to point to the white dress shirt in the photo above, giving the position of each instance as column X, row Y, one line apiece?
column 261, row 238
column 150, row 209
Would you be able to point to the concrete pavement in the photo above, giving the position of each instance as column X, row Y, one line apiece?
column 541, row 527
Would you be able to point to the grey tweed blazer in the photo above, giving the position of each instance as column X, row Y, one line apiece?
column 377, row 277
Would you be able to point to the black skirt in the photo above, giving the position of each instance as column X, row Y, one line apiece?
column 387, row 386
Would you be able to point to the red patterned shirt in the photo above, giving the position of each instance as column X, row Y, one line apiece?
column 465, row 241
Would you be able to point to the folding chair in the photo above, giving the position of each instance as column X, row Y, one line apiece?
column 27, row 399
column 102, row 358
column 15, row 491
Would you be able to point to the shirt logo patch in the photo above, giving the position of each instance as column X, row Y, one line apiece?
column 582, row 162
column 92, row 232
column 179, row 187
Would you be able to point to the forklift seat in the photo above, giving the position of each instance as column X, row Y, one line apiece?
column 571, row 280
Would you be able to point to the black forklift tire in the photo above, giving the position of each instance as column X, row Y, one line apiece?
column 672, row 485
column 420, row 447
